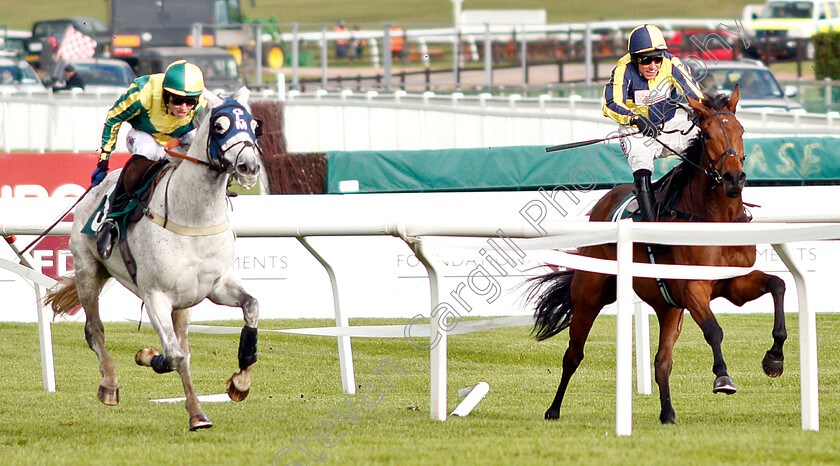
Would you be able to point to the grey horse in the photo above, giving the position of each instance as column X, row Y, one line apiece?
column 183, row 249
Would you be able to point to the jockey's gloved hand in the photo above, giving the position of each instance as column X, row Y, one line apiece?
column 645, row 126
column 99, row 173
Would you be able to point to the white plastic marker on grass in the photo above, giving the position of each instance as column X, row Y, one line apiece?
column 217, row 398
column 471, row 396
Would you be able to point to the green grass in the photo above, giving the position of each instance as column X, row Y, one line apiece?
column 296, row 387
column 21, row 15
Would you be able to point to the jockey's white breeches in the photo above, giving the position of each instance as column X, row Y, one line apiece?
column 144, row 144
column 642, row 150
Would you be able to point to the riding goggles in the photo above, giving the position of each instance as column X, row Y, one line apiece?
column 649, row 60
column 181, row 100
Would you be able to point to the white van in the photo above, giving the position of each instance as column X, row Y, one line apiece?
column 780, row 23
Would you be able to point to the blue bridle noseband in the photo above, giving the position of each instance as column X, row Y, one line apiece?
column 231, row 127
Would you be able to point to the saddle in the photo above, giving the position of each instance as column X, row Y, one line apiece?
column 665, row 197
column 129, row 212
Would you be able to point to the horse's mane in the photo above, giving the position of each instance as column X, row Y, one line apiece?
column 685, row 170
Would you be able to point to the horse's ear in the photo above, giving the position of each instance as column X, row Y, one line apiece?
column 212, row 99
column 733, row 100
column 699, row 109
column 241, row 95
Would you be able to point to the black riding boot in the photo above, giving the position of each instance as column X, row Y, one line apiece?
column 644, row 195
column 107, row 232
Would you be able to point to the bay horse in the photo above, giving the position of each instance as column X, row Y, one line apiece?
column 707, row 186
column 183, row 251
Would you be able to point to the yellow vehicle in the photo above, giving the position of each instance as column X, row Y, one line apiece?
column 783, row 25
column 139, row 24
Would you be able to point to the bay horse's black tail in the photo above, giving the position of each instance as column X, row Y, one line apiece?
column 553, row 303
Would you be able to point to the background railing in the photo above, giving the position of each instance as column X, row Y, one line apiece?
column 346, row 120
column 483, row 56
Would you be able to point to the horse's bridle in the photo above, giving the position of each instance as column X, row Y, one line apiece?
column 714, row 174
column 729, row 152
column 232, row 111
column 216, row 159
column 220, row 165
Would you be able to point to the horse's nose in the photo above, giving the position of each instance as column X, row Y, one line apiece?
column 249, row 167
column 737, row 178
column 741, row 178
column 734, row 181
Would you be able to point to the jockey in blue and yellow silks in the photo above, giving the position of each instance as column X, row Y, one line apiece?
column 160, row 109
column 644, row 90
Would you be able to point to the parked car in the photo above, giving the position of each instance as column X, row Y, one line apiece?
column 13, row 43
column 707, row 44
column 217, row 64
column 18, row 75
column 99, row 74
column 758, row 87
column 47, row 36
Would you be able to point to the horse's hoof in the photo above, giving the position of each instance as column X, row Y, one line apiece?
column 145, row 355
column 667, row 418
column 773, row 367
column 235, row 393
column 199, row 421
column 109, row 396
column 723, row 384
column 552, row 414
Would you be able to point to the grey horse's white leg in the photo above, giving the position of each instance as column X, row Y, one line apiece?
column 90, row 278
column 159, row 309
column 181, row 321
column 231, row 293
column 166, row 321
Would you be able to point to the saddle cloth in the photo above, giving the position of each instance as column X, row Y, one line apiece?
column 627, row 208
column 132, row 211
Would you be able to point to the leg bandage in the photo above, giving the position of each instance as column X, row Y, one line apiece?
column 160, row 365
column 247, row 347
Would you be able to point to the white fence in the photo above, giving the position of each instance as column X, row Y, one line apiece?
column 415, row 232
column 322, row 121
column 55, row 122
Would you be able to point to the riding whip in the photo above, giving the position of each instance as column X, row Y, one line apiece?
column 589, row 142
column 39, row 238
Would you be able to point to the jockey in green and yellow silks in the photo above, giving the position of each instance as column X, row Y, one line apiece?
column 160, row 109
column 144, row 105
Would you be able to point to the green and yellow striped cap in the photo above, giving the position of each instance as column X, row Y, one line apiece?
column 184, row 79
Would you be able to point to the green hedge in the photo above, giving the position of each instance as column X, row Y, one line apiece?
column 827, row 55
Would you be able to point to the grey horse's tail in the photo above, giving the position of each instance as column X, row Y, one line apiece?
column 63, row 298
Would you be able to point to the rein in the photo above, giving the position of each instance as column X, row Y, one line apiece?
column 714, row 174
column 178, row 155
column 163, row 220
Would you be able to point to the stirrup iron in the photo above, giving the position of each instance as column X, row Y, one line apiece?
column 105, row 238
